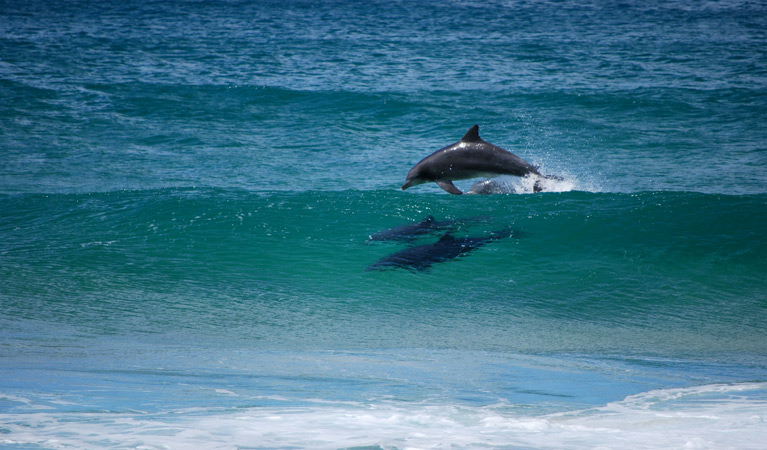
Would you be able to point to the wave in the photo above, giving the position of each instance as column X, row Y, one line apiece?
column 644, row 264
column 693, row 236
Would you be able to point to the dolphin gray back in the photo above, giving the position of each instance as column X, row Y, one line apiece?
column 472, row 157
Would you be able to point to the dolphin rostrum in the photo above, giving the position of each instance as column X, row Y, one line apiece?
column 470, row 157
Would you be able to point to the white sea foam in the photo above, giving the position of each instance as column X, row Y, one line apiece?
column 705, row 417
column 526, row 185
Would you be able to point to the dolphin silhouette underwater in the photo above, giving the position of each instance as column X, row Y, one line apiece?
column 429, row 225
column 471, row 157
column 413, row 231
column 448, row 247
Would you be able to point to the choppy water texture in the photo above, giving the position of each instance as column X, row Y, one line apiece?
column 188, row 190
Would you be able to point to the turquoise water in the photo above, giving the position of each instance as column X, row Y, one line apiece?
column 188, row 189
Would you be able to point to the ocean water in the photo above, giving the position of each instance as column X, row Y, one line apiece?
column 188, row 190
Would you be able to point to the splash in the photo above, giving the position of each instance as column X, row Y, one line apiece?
column 524, row 185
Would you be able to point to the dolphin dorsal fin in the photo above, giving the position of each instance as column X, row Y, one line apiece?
column 446, row 237
column 472, row 135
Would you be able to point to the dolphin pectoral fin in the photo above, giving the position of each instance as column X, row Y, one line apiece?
column 448, row 186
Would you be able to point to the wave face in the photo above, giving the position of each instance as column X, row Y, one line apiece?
column 659, row 273
column 188, row 192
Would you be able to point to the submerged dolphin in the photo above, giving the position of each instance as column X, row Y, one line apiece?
column 428, row 225
column 470, row 157
column 487, row 187
column 412, row 231
column 448, row 247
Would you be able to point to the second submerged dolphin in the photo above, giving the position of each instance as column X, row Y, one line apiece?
column 412, row 231
column 470, row 157
column 448, row 247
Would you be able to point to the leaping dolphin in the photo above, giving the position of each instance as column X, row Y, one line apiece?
column 470, row 157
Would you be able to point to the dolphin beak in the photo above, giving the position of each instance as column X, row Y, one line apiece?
column 407, row 184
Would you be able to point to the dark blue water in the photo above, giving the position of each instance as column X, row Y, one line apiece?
column 188, row 189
